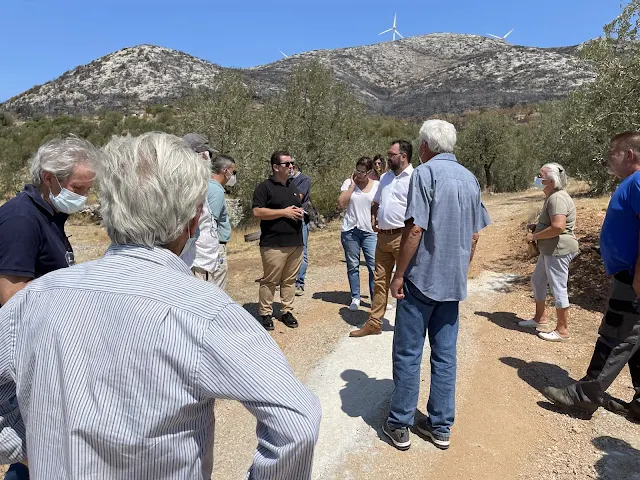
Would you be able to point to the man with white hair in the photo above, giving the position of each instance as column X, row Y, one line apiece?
column 118, row 362
column 32, row 237
column 618, row 343
column 444, row 215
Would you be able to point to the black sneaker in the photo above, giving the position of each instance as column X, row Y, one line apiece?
column 289, row 320
column 398, row 436
column 561, row 398
column 267, row 322
column 439, row 440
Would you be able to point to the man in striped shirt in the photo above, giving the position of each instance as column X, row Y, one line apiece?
column 117, row 362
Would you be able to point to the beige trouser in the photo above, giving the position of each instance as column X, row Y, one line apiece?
column 387, row 251
column 220, row 275
column 280, row 266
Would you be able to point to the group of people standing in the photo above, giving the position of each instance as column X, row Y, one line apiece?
column 417, row 229
column 86, row 349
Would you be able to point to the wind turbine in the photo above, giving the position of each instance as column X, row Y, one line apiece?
column 392, row 29
column 504, row 39
column 284, row 54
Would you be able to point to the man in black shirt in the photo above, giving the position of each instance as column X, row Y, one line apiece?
column 278, row 206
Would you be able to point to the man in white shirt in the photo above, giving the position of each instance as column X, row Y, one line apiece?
column 388, row 211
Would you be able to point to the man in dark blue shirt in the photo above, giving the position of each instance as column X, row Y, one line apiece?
column 303, row 183
column 32, row 238
column 619, row 333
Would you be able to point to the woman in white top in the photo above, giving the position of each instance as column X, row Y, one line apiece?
column 356, row 196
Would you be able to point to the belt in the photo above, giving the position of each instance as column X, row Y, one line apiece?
column 393, row 231
column 222, row 243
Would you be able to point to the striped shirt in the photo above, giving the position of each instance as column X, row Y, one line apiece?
column 117, row 364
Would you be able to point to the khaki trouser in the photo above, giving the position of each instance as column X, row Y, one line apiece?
column 220, row 275
column 387, row 251
column 280, row 266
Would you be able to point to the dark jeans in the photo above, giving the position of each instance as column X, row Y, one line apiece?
column 305, row 256
column 17, row 471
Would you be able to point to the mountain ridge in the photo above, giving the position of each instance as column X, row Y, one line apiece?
column 412, row 77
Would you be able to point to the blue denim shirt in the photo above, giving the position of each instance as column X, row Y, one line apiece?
column 445, row 201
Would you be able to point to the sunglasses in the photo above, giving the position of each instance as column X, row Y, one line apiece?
column 286, row 164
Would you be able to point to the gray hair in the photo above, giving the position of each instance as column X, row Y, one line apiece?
column 439, row 135
column 60, row 156
column 150, row 188
column 221, row 162
column 557, row 174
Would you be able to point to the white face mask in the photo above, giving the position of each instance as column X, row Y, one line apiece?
column 67, row 201
column 231, row 181
column 188, row 254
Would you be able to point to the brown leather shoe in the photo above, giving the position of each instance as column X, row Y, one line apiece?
column 368, row 328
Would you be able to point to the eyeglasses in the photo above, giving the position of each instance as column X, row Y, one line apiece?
column 361, row 174
column 391, row 155
column 287, row 164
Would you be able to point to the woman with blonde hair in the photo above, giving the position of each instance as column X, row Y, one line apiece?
column 553, row 235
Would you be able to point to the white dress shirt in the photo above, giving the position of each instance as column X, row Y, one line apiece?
column 392, row 198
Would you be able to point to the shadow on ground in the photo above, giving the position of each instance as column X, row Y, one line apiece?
column 338, row 297
column 539, row 375
column 252, row 308
column 507, row 320
column 620, row 459
column 367, row 398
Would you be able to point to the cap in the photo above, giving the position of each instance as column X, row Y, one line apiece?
column 199, row 143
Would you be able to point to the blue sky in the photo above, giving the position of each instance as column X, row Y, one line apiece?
column 41, row 39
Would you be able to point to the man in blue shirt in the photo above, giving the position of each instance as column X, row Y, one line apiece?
column 443, row 217
column 303, row 183
column 223, row 173
column 32, row 237
column 619, row 333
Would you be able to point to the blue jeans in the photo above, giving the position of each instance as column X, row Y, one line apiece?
column 416, row 316
column 352, row 241
column 17, row 471
column 305, row 258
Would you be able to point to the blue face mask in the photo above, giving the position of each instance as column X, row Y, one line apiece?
column 538, row 183
column 67, row 201
column 188, row 254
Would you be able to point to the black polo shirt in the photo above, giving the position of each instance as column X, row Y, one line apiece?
column 281, row 232
column 32, row 238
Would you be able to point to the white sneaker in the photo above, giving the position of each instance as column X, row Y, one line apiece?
column 355, row 304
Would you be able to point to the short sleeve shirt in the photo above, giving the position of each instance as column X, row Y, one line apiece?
column 392, row 198
column 444, row 200
column 358, row 214
column 621, row 227
column 279, row 232
column 32, row 238
column 558, row 203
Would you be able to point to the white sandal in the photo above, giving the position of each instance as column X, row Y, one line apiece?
column 553, row 336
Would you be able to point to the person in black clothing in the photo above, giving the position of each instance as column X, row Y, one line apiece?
column 277, row 203
column 32, row 237
column 303, row 183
